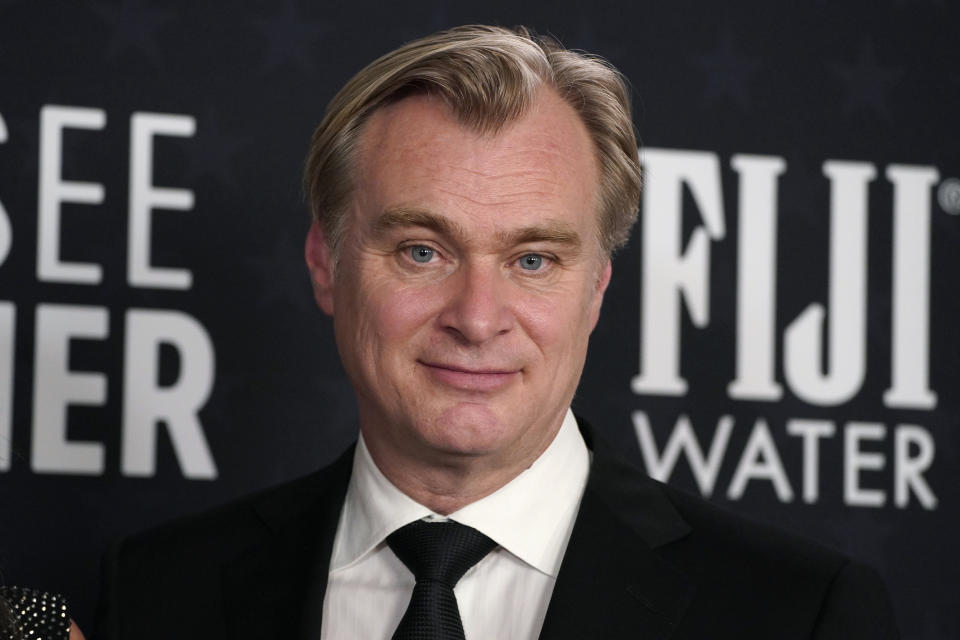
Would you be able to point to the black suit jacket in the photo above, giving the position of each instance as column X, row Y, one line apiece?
column 644, row 561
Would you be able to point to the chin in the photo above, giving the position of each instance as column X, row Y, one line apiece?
column 468, row 429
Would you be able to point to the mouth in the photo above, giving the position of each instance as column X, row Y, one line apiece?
column 476, row 379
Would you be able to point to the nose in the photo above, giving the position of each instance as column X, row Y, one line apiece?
column 478, row 305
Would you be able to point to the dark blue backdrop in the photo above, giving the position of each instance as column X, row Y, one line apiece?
column 847, row 111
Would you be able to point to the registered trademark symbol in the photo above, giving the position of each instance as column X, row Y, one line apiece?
column 948, row 195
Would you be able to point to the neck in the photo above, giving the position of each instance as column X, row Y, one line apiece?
column 445, row 483
column 445, row 492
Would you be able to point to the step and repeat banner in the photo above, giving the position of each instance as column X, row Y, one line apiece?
column 780, row 336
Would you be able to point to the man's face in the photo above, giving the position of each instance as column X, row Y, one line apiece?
column 468, row 282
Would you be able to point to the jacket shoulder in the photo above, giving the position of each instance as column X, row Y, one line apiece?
column 739, row 578
column 195, row 572
column 721, row 532
column 773, row 580
column 238, row 522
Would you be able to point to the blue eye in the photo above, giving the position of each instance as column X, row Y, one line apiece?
column 531, row 262
column 420, row 253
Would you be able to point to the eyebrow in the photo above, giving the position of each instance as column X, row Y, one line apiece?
column 400, row 217
column 550, row 232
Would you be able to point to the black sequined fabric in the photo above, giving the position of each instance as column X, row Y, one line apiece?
column 438, row 554
column 34, row 615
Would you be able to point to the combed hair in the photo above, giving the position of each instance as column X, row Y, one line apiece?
column 488, row 77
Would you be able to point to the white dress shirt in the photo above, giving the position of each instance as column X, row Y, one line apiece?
column 505, row 595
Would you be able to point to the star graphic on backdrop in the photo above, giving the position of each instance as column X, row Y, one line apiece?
column 289, row 38
column 213, row 150
column 135, row 26
column 6, row 4
column 282, row 276
column 232, row 389
column 935, row 626
column 861, row 534
column 804, row 191
column 337, row 395
column 433, row 19
column 912, row 4
column 728, row 72
column 586, row 36
column 587, row 39
column 866, row 83
column 24, row 133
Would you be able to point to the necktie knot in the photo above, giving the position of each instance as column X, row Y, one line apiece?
column 441, row 551
column 438, row 554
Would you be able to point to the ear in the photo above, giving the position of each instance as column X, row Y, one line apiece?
column 320, row 264
column 603, row 279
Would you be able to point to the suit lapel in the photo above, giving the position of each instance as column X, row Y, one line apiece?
column 276, row 588
column 613, row 583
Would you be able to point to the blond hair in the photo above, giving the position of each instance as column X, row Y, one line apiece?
column 488, row 76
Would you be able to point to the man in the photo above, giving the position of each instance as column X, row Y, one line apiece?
column 468, row 191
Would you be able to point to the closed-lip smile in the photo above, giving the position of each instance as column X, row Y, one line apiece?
column 471, row 378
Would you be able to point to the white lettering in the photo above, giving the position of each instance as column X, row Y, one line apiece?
column 7, row 345
column 54, row 191
column 145, row 403
column 56, row 387
column 668, row 272
column 756, row 277
column 908, row 470
column 856, row 460
column 760, row 460
column 848, row 299
column 911, row 287
column 811, row 431
column 144, row 197
column 6, row 231
column 683, row 439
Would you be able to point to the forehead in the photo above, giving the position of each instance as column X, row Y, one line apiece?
column 415, row 153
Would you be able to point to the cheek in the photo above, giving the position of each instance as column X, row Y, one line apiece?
column 558, row 331
column 396, row 313
column 375, row 331
column 556, row 324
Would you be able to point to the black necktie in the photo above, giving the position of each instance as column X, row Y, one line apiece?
column 438, row 554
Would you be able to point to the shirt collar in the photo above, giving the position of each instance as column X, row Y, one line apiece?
column 531, row 516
